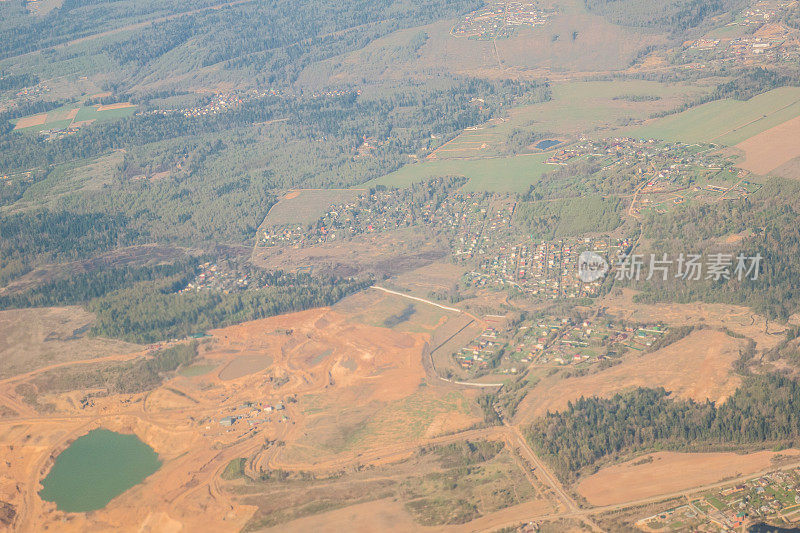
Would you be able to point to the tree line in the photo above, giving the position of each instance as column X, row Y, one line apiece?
column 764, row 411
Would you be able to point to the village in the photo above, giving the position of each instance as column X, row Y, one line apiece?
column 544, row 269
column 498, row 20
column 759, row 35
column 549, row 340
column 217, row 278
column 659, row 176
column 771, row 497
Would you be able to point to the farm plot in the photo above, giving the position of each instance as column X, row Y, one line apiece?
column 73, row 115
column 772, row 148
column 502, row 174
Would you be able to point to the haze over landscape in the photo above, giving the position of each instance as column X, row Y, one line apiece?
column 399, row 265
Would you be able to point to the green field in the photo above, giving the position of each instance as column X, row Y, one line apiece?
column 58, row 119
column 502, row 174
column 726, row 122
column 307, row 206
column 595, row 108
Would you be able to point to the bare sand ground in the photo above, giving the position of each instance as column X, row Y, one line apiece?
column 740, row 319
column 772, row 148
column 670, row 472
column 33, row 338
column 27, row 122
column 697, row 367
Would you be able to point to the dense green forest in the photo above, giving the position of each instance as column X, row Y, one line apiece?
column 769, row 218
column 764, row 411
column 152, row 311
column 79, row 288
column 674, row 16
column 569, row 217
column 147, row 304
column 44, row 236
column 221, row 169
column 276, row 40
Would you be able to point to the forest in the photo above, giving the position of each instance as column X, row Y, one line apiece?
column 222, row 169
column 769, row 222
column 676, row 16
column 151, row 312
column 569, row 217
column 147, row 303
column 764, row 411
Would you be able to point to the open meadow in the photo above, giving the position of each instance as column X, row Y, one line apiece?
column 727, row 122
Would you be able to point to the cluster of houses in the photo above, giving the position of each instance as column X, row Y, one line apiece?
column 218, row 278
column 495, row 20
column 541, row 268
column 769, row 498
column 553, row 341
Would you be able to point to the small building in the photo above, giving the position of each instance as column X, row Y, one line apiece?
column 227, row 421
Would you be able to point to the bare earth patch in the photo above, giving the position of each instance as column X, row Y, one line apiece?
column 670, row 472
column 120, row 105
column 740, row 319
column 34, row 338
column 391, row 516
column 697, row 367
column 27, row 122
column 770, row 149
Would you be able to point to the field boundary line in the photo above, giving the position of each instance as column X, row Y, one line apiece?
column 423, row 300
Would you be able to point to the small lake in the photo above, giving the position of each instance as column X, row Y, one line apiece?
column 548, row 143
column 97, row 467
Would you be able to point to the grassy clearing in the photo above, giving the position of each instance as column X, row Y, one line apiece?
column 727, row 122
column 503, row 174
column 306, row 206
column 377, row 309
column 196, row 370
column 334, row 431
column 235, row 469
column 594, row 107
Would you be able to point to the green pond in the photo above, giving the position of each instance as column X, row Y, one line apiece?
column 97, row 467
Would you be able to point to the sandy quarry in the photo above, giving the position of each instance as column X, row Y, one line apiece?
column 317, row 356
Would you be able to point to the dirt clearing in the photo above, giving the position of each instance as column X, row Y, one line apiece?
column 739, row 319
column 670, row 472
column 27, row 122
column 120, row 105
column 244, row 366
column 769, row 150
column 34, row 338
column 697, row 367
